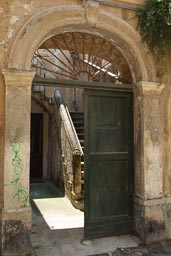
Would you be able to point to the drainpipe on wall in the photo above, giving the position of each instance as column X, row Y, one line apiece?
column 123, row 6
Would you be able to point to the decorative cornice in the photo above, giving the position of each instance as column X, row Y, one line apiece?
column 17, row 78
column 150, row 87
column 152, row 201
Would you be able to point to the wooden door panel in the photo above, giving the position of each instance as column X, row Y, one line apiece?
column 108, row 163
column 107, row 195
column 112, row 124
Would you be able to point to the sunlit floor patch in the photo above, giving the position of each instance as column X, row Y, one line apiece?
column 59, row 213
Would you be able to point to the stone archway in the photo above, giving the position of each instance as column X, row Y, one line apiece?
column 53, row 21
column 18, row 78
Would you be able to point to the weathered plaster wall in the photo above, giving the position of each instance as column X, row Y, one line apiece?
column 2, row 106
column 165, row 103
column 14, row 14
column 16, row 215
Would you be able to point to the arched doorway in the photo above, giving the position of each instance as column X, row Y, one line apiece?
column 47, row 23
column 107, row 192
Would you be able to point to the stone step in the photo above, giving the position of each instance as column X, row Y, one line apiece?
column 77, row 115
column 79, row 129
column 82, row 166
column 80, row 136
column 82, row 175
column 79, row 123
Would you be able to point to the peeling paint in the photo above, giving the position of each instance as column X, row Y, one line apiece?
column 1, row 9
column 10, row 33
column 19, row 9
column 3, row 42
column 13, row 19
column 28, row 7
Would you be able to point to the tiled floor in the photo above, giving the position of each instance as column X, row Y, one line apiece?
column 58, row 227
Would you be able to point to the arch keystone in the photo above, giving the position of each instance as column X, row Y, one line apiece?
column 91, row 11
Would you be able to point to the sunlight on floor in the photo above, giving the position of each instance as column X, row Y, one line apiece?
column 59, row 213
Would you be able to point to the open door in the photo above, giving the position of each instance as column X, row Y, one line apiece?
column 36, row 154
column 108, row 163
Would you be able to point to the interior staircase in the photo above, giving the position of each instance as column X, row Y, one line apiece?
column 78, row 121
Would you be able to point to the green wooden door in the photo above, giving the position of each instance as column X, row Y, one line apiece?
column 108, row 163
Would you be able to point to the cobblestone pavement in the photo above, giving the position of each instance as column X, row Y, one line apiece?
column 159, row 249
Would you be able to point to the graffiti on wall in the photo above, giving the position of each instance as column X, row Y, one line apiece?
column 20, row 194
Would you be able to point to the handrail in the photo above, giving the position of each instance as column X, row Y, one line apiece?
column 68, row 124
